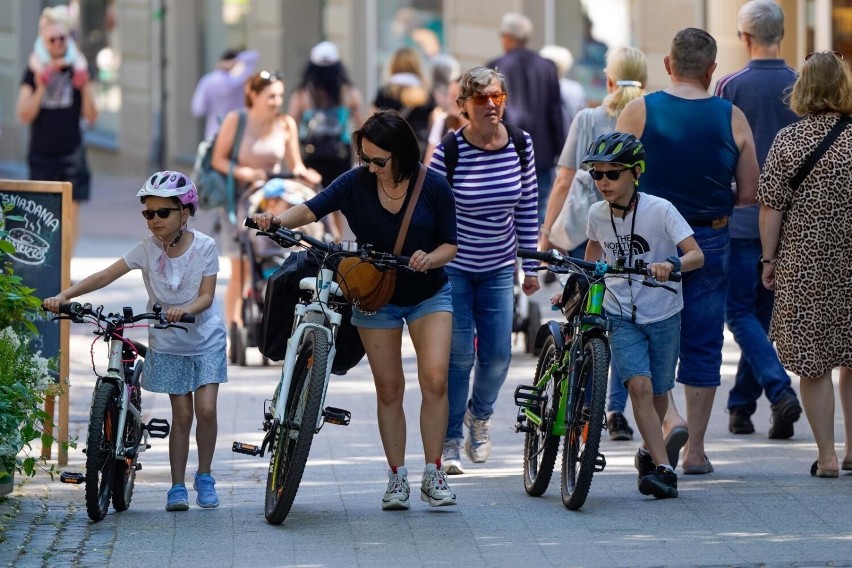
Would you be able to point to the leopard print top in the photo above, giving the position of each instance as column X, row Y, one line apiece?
column 812, row 318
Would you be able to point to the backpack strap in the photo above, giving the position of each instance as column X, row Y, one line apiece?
column 235, row 151
column 451, row 154
column 451, row 149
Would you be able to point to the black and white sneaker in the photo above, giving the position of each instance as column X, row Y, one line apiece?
column 661, row 483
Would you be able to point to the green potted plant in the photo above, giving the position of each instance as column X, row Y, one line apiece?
column 25, row 376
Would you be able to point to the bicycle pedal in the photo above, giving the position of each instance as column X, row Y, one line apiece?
column 72, row 477
column 337, row 416
column 600, row 463
column 527, row 396
column 158, row 427
column 248, row 449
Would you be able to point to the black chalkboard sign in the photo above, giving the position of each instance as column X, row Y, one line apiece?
column 42, row 259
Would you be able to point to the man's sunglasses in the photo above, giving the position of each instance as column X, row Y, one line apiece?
column 482, row 99
column 162, row 213
column 611, row 175
column 837, row 54
column 380, row 162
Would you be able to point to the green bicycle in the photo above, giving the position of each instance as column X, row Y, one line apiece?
column 568, row 395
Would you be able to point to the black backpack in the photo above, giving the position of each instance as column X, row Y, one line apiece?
column 282, row 295
column 451, row 149
column 324, row 133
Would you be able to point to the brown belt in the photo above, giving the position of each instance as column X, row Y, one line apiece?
column 717, row 223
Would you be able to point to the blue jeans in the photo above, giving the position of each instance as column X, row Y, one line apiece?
column 748, row 312
column 544, row 178
column 482, row 334
column 703, row 317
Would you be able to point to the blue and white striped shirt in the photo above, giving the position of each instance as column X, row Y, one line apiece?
column 496, row 205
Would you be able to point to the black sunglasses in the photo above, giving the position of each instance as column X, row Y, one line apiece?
column 58, row 39
column 611, row 175
column 380, row 162
column 837, row 54
column 162, row 213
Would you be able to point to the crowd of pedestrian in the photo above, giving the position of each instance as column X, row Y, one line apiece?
column 734, row 189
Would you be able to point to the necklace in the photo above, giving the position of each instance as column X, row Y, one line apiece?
column 387, row 195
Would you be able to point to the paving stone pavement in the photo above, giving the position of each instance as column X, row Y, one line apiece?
column 759, row 508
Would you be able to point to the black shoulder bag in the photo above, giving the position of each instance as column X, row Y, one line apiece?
column 820, row 150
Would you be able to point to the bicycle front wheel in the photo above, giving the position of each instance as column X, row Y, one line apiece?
column 100, row 448
column 540, row 446
column 583, row 435
column 294, row 433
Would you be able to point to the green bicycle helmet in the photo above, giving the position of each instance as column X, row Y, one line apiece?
column 617, row 148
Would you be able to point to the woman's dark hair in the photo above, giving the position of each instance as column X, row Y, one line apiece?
column 390, row 132
column 325, row 83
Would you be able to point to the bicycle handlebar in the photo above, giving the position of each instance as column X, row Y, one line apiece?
column 77, row 311
column 558, row 259
column 285, row 237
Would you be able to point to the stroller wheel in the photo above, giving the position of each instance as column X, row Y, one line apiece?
column 238, row 345
column 533, row 323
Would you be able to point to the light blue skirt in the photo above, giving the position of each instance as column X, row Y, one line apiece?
column 182, row 374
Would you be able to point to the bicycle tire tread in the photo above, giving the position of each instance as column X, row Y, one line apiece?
column 100, row 471
column 539, row 462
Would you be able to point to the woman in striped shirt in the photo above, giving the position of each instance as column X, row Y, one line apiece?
column 494, row 185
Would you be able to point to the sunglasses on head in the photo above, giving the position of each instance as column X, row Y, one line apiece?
column 162, row 213
column 837, row 54
column 380, row 162
column 611, row 175
column 482, row 99
column 270, row 75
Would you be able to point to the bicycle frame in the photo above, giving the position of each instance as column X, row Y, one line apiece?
column 591, row 320
column 314, row 315
column 115, row 375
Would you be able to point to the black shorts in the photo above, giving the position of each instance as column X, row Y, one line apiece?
column 71, row 167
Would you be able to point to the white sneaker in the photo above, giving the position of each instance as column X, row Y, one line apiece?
column 477, row 445
column 451, row 458
column 434, row 488
column 396, row 497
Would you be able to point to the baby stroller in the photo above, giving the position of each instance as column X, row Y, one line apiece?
column 263, row 257
column 526, row 315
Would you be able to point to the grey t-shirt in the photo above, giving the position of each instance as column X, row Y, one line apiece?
column 588, row 124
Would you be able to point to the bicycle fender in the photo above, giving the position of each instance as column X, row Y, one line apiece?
column 550, row 328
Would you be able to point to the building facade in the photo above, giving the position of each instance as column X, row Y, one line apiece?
column 147, row 55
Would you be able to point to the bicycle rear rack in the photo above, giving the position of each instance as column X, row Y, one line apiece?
column 157, row 427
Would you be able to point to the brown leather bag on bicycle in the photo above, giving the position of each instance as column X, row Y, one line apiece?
column 367, row 287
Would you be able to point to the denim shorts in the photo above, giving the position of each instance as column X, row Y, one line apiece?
column 392, row 317
column 648, row 350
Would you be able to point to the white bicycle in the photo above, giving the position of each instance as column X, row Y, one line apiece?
column 296, row 412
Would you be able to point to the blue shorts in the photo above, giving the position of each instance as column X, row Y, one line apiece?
column 182, row 374
column 647, row 350
column 392, row 317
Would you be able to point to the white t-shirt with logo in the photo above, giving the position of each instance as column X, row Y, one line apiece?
column 658, row 229
column 174, row 282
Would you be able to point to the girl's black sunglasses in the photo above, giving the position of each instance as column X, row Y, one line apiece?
column 162, row 213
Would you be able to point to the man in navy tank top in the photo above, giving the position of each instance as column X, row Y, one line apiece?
column 696, row 145
column 758, row 89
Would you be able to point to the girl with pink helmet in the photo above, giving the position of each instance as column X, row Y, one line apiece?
column 179, row 267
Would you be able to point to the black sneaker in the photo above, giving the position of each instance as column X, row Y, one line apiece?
column 661, row 483
column 619, row 429
column 643, row 463
column 740, row 422
column 784, row 414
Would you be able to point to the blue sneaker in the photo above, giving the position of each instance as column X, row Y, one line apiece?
column 177, row 499
column 205, row 485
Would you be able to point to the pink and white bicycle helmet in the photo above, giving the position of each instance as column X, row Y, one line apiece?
column 171, row 184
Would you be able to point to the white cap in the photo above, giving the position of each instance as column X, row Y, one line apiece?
column 324, row 54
